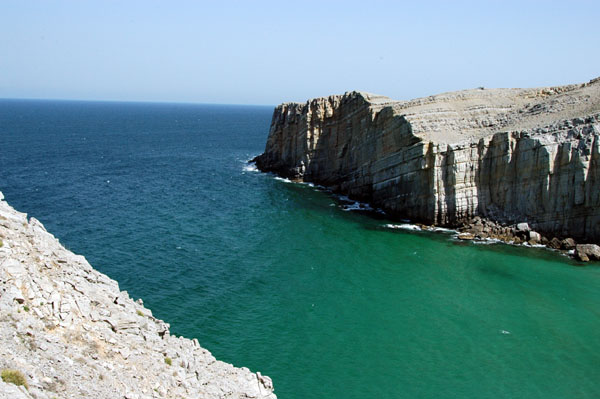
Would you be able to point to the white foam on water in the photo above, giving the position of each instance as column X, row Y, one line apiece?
column 283, row 179
column 404, row 226
column 250, row 167
column 487, row 241
column 357, row 206
column 442, row 230
column 352, row 205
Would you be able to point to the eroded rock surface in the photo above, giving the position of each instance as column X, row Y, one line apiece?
column 509, row 155
column 74, row 334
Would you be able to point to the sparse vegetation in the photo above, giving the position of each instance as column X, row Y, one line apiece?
column 1, row 243
column 139, row 313
column 168, row 361
column 14, row 377
column 26, row 308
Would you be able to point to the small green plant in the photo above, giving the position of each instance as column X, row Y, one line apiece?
column 14, row 377
column 26, row 308
column 139, row 313
column 1, row 244
column 168, row 361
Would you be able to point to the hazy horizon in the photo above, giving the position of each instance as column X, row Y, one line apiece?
column 266, row 53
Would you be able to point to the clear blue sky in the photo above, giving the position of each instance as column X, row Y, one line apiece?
column 267, row 52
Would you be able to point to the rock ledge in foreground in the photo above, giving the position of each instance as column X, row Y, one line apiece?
column 73, row 334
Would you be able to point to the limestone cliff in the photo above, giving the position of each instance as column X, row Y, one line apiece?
column 506, row 154
column 71, row 333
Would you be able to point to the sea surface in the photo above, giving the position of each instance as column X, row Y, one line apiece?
column 278, row 277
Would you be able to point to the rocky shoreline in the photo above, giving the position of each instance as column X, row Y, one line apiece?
column 483, row 229
column 68, row 331
column 476, row 229
column 520, row 233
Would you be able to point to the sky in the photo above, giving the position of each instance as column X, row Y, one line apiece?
column 268, row 52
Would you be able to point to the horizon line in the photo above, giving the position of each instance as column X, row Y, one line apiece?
column 131, row 101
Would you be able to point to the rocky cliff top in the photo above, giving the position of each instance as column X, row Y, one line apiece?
column 71, row 333
column 468, row 115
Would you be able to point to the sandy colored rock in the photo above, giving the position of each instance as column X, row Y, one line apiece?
column 511, row 155
column 534, row 237
column 587, row 252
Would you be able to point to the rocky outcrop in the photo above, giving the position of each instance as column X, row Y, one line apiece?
column 509, row 155
column 587, row 252
column 73, row 334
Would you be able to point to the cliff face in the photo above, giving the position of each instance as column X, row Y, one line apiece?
column 72, row 333
column 510, row 155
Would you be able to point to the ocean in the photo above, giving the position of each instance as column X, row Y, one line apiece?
column 281, row 277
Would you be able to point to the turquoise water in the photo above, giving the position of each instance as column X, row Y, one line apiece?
column 278, row 277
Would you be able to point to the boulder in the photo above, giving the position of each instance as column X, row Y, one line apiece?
column 587, row 252
column 568, row 244
column 523, row 227
column 534, row 237
column 554, row 243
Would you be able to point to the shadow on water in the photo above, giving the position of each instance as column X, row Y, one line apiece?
column 495, row 271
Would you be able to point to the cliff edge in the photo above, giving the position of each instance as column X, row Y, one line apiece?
column 67, row 331
column 509, row 155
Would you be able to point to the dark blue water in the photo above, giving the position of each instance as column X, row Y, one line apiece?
column 277, row 277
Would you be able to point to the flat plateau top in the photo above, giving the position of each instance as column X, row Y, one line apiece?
column 471, row 114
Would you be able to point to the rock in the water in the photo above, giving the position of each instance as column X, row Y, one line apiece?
column 554, row 243
column 466, row 236
column 587, row 252
column 534, row 237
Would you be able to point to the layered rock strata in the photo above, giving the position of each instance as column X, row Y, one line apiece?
column 509, row 155
column 72, row 333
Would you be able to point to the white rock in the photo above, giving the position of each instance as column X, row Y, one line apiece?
column 535, row 237
column 66, row 350
column 524, row 227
